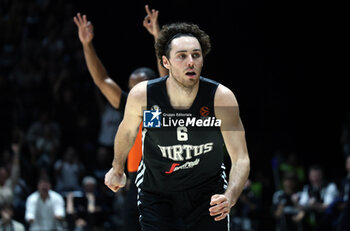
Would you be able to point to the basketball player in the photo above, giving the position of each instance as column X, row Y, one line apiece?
column 181, row 179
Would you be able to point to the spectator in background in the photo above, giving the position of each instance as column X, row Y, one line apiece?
column 315, row 198
column 286, row 211
column 43, row 139
column 45, row 209
column 9, row 177
column 16, row 185
column 101, row 163
column 292, row 165
column 68, row 171
column 245, row 211
column 110, row 119
column 339, row 211
column 7, row 223
column 85, row 209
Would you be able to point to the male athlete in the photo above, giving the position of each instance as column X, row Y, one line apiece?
column 181, row 179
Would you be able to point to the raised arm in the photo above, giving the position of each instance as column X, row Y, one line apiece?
column 150, row 22
column 126, row 134
column 226, row 109
column 110, row 89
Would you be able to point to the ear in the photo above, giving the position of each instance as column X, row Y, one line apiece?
column 165, row 62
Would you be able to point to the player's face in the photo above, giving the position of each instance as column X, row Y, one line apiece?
column 185, row 60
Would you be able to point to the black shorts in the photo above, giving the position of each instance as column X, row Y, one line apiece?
column 179, row 211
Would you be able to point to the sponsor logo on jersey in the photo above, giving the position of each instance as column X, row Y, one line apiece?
column 176, row 167
column 152, row 118
column 190, row 122
column 204, row 111
column 181, row 152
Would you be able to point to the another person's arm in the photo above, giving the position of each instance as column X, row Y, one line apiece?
column 15, row 169
column 126, row 134
column 151, row 24
column 58, row 206
column 30, row 208
column 226, row 109
column 110, row 89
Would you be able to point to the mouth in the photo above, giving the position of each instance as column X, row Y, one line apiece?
column 191, row 74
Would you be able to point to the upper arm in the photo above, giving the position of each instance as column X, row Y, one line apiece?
column 111, row 90
column 227, row 110
column 59, row 208
column 30, row 208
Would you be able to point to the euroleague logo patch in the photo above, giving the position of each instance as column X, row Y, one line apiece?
column 204, row 111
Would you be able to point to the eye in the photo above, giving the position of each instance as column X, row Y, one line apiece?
column 182, row 56
column 196, row 55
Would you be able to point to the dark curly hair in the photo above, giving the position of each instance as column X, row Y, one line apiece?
column 175, row 30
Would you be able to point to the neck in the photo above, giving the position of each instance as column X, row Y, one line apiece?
column 44, row 196
column 181, row 96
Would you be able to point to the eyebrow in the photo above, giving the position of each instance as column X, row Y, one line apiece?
column 179, row 51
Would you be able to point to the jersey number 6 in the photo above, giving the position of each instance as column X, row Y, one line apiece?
column 182, row 134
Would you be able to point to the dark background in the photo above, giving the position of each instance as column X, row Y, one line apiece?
column 283, row 61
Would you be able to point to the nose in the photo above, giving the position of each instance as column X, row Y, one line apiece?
column 190, row 62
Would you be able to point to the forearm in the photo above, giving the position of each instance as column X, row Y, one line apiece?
column 123, row 142
column 94, row 64
column 238, row 176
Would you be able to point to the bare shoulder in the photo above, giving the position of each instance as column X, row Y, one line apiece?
column 224, row 97
column 137, row 98
column 139, row 90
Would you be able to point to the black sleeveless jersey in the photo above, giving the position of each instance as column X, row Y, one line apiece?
column 187, row 150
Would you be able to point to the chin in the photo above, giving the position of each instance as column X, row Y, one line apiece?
column 191, row 82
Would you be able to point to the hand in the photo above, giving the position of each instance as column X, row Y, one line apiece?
column 85, row 29
column 219, row 206
column 151, row 22
column 299, row 217
column 90, row 197
column 295, row 198
column 115, row 181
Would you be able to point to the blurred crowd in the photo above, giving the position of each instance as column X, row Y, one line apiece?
column 57, row 143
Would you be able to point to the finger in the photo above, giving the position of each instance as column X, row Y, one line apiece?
column 153, row 13
column 90, row 27
column 219, row 208
column 111, row 186
column 221, row 217
column 115, row 189
column 224, row 210
column 156, row 15
column 75, row 19
column 79, row 18
column 147, row 10
column 146, row 20
column 219, row 211
column 84, row 19
column 216, row 199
